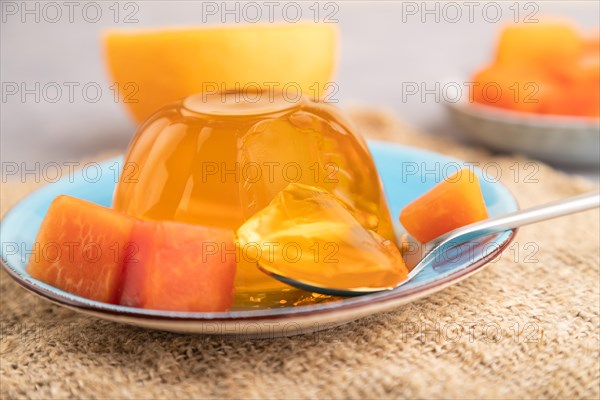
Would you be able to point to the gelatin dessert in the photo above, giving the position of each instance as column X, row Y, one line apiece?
column 309, row 235
column 218, row 159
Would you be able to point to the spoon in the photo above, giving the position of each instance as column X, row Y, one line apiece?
column 436, row 247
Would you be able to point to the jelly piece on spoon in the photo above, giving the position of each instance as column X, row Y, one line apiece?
column 309, row 236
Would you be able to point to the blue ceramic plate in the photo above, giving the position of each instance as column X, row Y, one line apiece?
column 406, row 173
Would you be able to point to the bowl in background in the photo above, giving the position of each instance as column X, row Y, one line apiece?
column 552, row 138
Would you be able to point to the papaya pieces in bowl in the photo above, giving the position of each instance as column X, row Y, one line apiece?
column 539, row 95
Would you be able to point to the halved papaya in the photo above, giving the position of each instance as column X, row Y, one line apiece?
column 155, row 67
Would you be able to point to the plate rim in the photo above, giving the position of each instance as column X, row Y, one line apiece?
column 264, row 314
column 348, row 304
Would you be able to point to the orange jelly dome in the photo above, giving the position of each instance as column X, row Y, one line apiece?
column 217, row 159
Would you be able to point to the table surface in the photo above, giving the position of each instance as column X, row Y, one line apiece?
column 388, row 48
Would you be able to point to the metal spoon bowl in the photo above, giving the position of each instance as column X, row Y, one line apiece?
column 436, row 247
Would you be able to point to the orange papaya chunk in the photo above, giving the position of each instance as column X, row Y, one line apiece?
column 513, row 87
column 80, row 248
column 179, row 267
column 455, row 202
column 551, row 46
column 580, row 96
column 588, row 79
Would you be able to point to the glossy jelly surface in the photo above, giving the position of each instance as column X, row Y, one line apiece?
column 308, row 235
column 218, row 159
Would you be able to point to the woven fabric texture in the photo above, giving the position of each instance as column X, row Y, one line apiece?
column 525, row 327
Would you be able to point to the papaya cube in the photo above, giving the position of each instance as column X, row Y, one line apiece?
column 179, row 267
column 455, row 202
column 511, row 87
column 80, row 248
column 587, row 79
column 554, row 47
column 581, row 96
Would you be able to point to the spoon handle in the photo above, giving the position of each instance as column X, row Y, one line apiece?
column 505, row 222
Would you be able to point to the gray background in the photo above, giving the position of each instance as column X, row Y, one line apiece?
column 384, row 46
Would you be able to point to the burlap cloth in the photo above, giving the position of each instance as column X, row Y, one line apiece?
column 527, row 326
